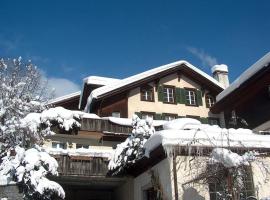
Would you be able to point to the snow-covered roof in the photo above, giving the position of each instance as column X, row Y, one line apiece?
column 119, row 84
column 128, row 121
column 65, row 97
column 99, row 80
column 260, row 64
column 196, row 134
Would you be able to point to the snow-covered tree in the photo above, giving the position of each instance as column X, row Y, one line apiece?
column 131, row 149
column 24, row 123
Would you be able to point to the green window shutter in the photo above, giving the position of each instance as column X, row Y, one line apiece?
column 178, row 95
column 158, row 116
column 160, row 93
column 204, row 120
column 182, row 99
column 199, row 97
column 138, row 114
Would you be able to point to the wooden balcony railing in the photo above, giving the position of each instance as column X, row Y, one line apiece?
column 104, row 125
column 81, row 166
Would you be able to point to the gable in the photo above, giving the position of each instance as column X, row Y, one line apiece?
column 155, row 75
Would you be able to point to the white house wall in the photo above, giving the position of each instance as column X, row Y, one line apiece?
column 143, row 181
column 136, row 105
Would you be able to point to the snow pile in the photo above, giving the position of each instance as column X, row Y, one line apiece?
column 128, row 121
column 132, row 149
column 104, row 153
column 230, row 159
column 265, row 198
column 30, row 168
column 181, row 124
column 205, row 136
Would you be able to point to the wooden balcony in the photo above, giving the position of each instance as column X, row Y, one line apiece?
column 104, row 125
column 82, row 166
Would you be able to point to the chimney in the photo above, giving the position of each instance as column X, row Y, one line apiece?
column 220, row 73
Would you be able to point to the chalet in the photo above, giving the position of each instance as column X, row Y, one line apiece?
column 246, row 102
column 164, row 93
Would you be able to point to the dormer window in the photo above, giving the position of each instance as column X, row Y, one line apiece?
column 147, row 94
column 209, row 100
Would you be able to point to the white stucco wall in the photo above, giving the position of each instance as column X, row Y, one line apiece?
column 187, row 169
column 261, row 184
column 136, row 105
column 143, row 181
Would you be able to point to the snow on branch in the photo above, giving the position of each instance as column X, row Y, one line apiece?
column 29, row 169
column 131, row 149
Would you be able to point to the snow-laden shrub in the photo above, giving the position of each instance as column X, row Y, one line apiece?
column 29, row 169
column 131, row 149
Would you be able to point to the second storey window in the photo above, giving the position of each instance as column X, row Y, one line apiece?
column 190, row 97
column 209, row 101
column 147, row 94
column 169, row 94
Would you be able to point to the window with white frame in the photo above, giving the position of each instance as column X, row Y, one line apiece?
column 146, row 115
column 169, row 94
column 190, row 97
column 169, row 117
column 58, row 145
column 116, row 114
column 147, row 94
column 210, row 100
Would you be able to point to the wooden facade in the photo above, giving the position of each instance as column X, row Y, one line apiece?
column 82, row 166
column 249, row 102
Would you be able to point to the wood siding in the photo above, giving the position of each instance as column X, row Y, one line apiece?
column 81, row 166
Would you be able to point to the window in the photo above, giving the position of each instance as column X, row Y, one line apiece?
column 58, row 145
column 78, row 146
column 146, row 115
column 147, row 94
column 116, row 114
column 247, row 189
column 193, row 117
column 149, row 194
column 169, row 94
column 209, row 100
column 213, row 121
column 169, row 117
column 190, row 97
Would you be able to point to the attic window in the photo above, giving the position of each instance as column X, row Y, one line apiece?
column 191, row 97
column 147, row 94
column 209, row 100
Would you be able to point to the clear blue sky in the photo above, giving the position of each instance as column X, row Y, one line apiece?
column 75, row 39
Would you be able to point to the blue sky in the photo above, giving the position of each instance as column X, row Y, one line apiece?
column 70, row 40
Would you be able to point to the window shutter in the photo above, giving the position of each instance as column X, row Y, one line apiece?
column 182, row 96
column 158, row 116
column 139, row 114
column 199, row 97
column 204, row 120
column 178, row 95
column 160, row 93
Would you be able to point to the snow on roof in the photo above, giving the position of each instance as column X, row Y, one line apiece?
column 65, row 97
column 105, row 89
column 221, row 68
column 104, row 153
column 99, row 80
column 128, row 121
column 206, row 136
column 260, row 64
